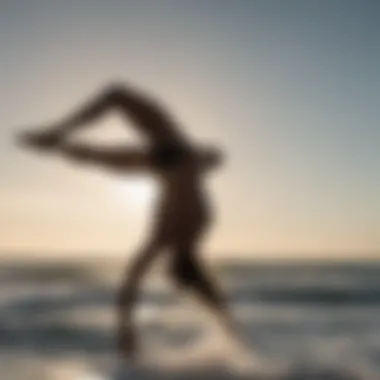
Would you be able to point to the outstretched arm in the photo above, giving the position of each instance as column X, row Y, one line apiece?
column 146, row 114
column 114, row 158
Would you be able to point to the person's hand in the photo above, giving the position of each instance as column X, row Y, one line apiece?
column 41, row 141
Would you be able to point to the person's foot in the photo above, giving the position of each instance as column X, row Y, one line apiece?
column 127, row 343
column 40, row 140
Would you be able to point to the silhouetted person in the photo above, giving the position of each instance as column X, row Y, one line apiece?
column 183, row 214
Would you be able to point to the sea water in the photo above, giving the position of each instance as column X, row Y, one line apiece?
column 307, row 321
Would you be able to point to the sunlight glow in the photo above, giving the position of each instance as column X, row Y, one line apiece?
column 135, row 192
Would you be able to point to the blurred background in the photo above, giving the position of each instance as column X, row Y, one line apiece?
column 289, row 89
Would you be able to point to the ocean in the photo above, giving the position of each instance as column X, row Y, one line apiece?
column 297, row 321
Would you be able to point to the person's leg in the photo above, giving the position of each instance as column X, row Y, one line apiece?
column 127, row 297
column 188, row 273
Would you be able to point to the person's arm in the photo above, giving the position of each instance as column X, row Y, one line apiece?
column 147, row 115
column 115, row 158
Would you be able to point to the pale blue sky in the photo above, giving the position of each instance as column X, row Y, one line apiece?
column 290, row 89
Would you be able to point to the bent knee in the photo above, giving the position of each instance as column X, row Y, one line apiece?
column 183, row 272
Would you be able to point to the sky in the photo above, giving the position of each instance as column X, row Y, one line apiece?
column 289, row 89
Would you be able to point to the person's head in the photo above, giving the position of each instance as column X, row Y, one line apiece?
column 167, row 156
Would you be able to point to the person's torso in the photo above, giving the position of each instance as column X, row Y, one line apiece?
column 182, row 193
